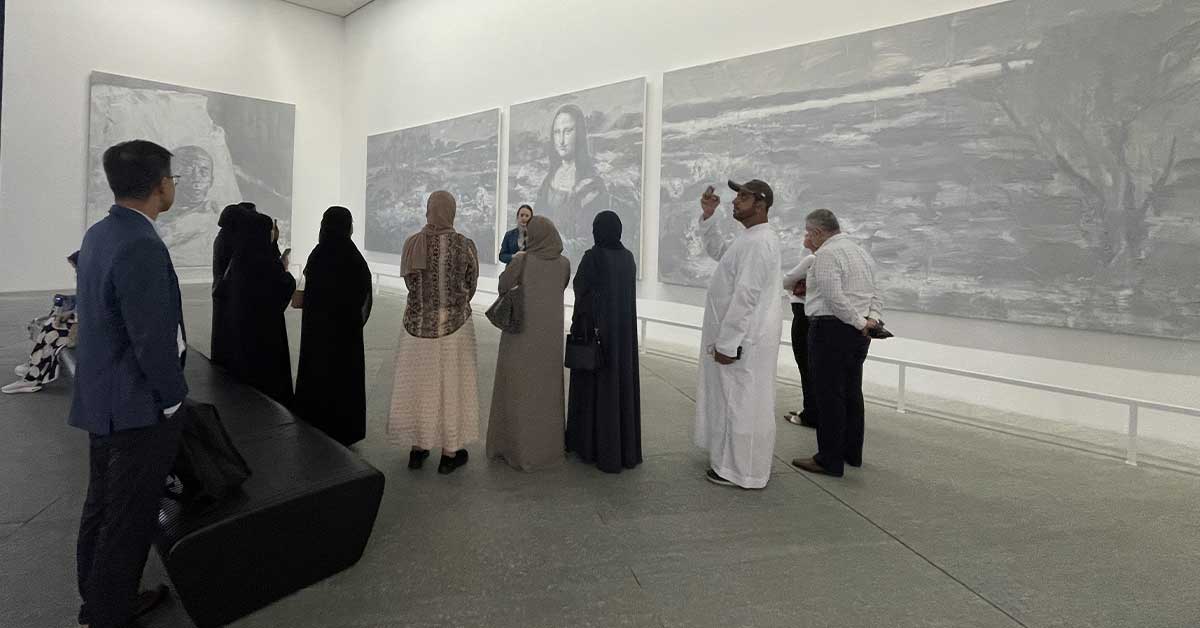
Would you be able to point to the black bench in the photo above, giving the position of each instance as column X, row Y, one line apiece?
column 305, row 514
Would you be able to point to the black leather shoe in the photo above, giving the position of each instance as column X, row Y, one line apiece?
column 451, row 464
column 417, row 457
column 147, row 601
column 150, row 599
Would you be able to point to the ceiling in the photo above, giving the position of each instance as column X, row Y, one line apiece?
column 340, row 8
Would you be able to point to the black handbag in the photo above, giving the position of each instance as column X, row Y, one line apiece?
column 584, row 351
column 507, row 312
column 208, row 466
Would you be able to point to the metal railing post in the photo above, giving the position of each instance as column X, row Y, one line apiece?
column 1131, row 444
column 901, row 405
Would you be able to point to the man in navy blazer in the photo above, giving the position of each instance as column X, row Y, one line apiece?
column 128, row 380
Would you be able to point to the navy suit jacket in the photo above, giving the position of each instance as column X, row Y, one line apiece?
column 128, row 367
column 509, row 246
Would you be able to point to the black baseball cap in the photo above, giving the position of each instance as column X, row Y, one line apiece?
column 757, row 188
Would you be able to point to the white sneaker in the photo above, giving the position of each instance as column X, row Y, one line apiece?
column 21, row 369
column 22, row 386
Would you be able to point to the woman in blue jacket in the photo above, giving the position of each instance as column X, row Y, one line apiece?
column 514, row 240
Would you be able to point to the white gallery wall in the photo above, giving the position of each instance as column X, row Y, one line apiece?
column 409, row 62
column 400, row 63
column 258, row 48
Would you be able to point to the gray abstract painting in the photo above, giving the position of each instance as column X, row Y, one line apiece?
column 575, row 155
column 1031, row 161
column 228, row 149
column 404, row 167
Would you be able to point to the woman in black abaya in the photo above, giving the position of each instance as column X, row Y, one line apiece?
column 331, row 383
column 231, row 218
column 604, row 414
column 257, row 289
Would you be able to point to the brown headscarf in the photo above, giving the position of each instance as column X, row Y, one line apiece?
column 542, row 239
column 439, row 211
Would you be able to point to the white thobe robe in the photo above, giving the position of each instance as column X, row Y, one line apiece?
column 735, row 403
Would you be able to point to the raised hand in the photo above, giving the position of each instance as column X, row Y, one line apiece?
column 709, row 202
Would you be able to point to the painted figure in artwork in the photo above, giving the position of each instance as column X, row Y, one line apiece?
column 188, row 232
column 573, row 191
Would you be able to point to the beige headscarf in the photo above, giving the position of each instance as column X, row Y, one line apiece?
column 439, row 211
column 542, row 239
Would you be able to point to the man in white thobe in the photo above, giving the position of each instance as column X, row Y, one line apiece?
column 735, row 398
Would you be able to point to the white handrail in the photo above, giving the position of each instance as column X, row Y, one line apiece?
column 1132, row 403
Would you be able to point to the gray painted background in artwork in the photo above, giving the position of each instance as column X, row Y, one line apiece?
column 615, row 128
column 404, row 167
column 1031, row 161
column 228, row 149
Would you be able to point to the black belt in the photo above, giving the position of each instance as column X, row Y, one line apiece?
column 824, row 317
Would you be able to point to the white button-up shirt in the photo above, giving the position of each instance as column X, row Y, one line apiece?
column 794, row 276
column 841, row 283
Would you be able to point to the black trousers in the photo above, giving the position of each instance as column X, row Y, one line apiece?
column 836, row 353
column 800, row 352
column 120, row 518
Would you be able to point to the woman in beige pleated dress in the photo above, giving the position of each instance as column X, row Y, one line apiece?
column 527, row 423
column 435, row 401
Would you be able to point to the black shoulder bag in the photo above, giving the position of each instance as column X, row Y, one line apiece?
column 584, row 351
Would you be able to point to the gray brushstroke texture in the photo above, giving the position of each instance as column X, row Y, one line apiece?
column 249, row 144
column 404, row 167
column 616, row 130
column 1031, row 161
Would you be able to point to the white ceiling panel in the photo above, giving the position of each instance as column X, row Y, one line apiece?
column 340, row 8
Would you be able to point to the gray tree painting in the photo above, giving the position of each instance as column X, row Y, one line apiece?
column 227, row 148
column 1031, row 161
column 575, row 155
column 404, row 167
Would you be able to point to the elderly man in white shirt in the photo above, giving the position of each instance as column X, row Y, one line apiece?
column 796, row 284
column 843, row 308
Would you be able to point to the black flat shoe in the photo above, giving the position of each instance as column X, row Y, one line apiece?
column 417, row 457
column 450, row 464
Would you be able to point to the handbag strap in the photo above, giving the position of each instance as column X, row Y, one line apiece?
column 598, row 256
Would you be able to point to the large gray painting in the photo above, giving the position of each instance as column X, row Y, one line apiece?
column 575, row 155
column 228, row 149
column 1034, row 161
column 404, row 167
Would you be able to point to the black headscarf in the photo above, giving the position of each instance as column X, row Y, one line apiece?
column 336, row 224
column 253, row 234
column 230, row 216
column 606, row 229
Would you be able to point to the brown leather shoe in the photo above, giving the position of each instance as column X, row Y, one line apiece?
column 812, row 466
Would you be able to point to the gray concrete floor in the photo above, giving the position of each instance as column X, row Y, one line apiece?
column 945, row 525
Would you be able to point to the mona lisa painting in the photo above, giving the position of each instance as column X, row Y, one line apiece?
column 576, row 155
